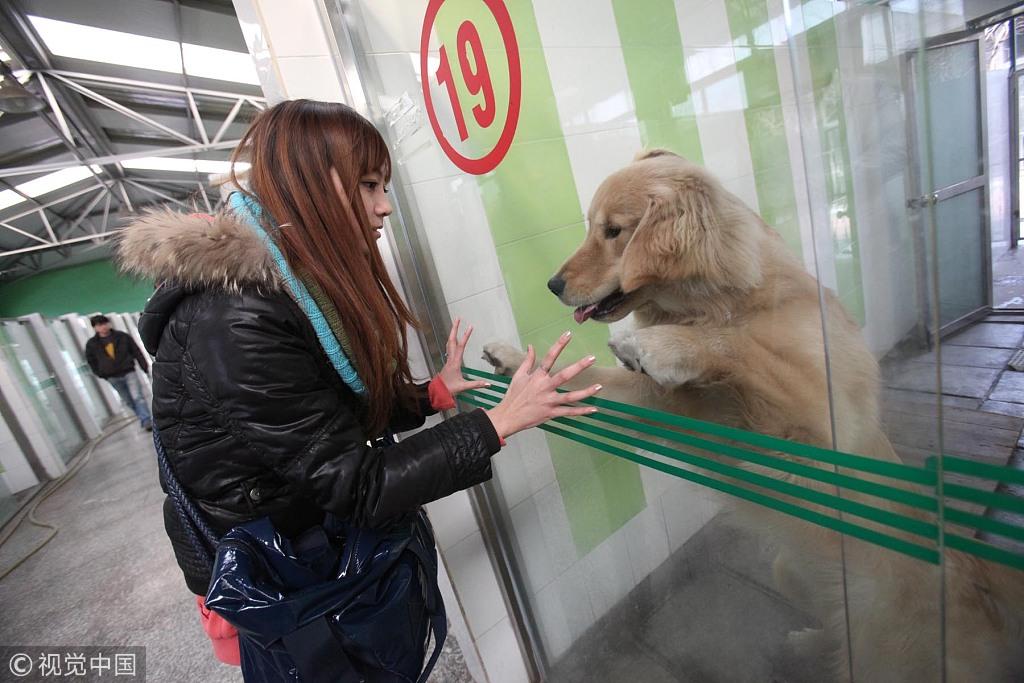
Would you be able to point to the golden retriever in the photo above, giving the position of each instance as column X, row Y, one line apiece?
column 729, row 329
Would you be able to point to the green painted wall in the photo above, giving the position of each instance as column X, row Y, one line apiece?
column 652, row 50
column 85, row 288
column 534, row 232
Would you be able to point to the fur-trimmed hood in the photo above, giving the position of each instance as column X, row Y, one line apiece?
column 197, row 251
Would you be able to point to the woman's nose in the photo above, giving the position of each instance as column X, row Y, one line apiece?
column 384, row 208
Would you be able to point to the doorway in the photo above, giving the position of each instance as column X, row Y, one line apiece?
column 1004, row 59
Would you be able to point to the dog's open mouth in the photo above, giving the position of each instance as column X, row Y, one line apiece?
column 601, row 308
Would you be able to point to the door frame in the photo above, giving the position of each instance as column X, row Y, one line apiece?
column 1015, row 156
column 921, row 202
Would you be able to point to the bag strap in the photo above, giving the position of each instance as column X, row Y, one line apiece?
column 200, row 535
column 432, row 593
column 439, row 627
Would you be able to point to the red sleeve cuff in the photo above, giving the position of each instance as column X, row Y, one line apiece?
column 222, row 634
column 440, row 397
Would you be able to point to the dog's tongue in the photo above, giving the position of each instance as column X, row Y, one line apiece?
column 583, row 313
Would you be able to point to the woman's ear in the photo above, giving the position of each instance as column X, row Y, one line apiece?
column 671, row 240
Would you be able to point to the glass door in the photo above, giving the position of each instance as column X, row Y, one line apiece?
column 79, row 371
column 952, row 188
column 43, row 387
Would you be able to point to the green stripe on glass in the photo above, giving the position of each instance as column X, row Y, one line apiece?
column 981, row 470
column 967, row 519
column 870, row 535
column 984, row 551
column 884, row 491
column 608, row 441
column 533, row 210
column 653, row 53
column 857, row 462
column 990, row 499
column 875, row 514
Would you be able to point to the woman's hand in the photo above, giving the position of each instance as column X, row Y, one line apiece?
column 532, row 398
column 451, row 373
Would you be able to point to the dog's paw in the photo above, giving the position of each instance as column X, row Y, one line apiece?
column 627, row 349
column 640, row 351
column 505, row 358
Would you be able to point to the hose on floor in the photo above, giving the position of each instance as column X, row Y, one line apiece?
column 51, row 488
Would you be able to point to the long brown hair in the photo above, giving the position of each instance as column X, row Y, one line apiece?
column 292, row 148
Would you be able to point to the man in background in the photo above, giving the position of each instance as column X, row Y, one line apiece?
column 112, row 355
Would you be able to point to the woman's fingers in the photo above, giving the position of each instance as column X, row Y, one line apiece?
column 478, row 384
column 571, row 411
column 526, row 367
column 576, row 368
column 554, row 351
column 576, row 396
column 453, row 335
column 465, row 338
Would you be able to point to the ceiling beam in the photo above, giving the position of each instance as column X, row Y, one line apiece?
column 117, row 158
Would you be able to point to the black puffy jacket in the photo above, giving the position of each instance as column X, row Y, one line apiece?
column 254, row 417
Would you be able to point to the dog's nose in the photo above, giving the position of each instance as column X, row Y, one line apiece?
column 556, row 285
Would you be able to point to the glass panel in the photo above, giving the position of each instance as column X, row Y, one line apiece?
column 953, row 105
column 42, row 388
column 711, row 550
column 959, row 223
column 8, row 503
column 78, row 369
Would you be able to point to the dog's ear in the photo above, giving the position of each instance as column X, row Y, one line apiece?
column 671, row 241
column 654, row 152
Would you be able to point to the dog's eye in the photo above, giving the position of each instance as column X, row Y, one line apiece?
column 611, row 232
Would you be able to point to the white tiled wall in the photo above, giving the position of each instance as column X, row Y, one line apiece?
column 461, row 245
column 505, row 664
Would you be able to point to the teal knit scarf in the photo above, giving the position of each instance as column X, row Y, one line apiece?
column 247, row 209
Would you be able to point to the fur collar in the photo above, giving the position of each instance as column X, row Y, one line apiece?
column 196, row 251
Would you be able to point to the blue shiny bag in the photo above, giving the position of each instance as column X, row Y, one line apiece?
column 338, row 603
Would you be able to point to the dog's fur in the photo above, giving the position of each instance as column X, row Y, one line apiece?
column 729, row 329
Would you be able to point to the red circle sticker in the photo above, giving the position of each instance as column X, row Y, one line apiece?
column 465, row 64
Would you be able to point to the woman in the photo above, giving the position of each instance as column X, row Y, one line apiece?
column 280, row 348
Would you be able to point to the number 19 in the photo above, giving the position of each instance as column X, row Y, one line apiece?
column 476, row 76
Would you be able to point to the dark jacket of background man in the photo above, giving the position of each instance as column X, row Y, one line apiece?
column 126, row 353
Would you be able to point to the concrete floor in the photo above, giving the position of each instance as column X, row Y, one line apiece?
column 109, row 576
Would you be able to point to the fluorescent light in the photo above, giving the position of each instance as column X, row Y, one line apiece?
column 183, row 165
column 66, row 39
column 78, row 41
column 47, row 183
column 223, row 65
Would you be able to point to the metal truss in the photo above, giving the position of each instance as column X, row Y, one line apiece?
column 63, row 230
column 77, row 82
column 105, row 229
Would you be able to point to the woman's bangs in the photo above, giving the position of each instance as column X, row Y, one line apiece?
column 377, row 155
